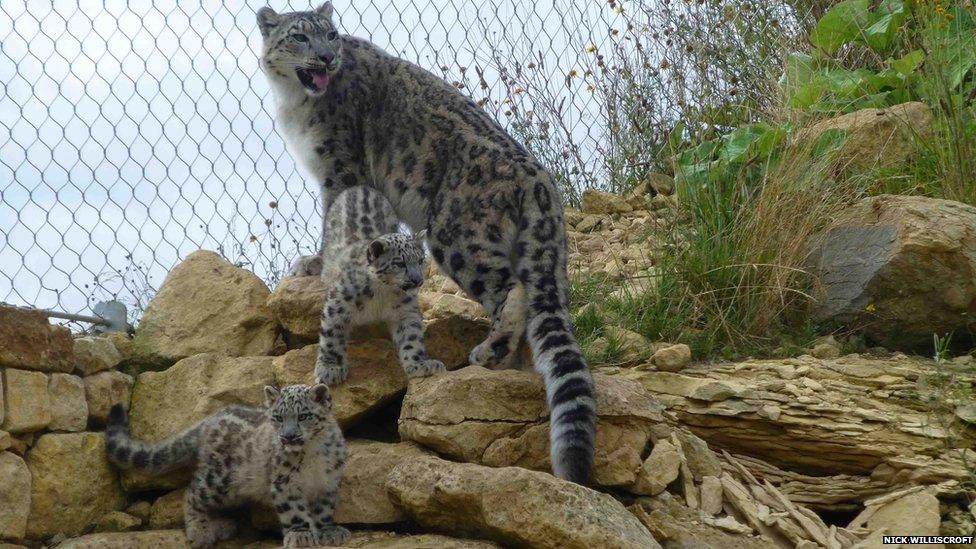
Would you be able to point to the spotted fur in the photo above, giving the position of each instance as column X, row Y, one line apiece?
column 493, row 212
column 290, row 455
column 373, row 274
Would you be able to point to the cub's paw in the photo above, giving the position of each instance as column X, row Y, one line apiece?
column 481, row 355
column 426, row 368
column 306, row 265
column 300, row 538
column 330, row 374
column 337, row 535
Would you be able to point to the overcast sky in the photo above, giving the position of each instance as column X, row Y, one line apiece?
column 134, row 134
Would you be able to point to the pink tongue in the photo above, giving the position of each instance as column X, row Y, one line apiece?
column 320, row 79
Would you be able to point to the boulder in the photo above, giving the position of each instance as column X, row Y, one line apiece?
column 512, row 506
column 392, row 540
column 95, row 354
column 673, row 358
column 164, row 403
column 15, row 496
column 658, row 471
column 296, row 304
column 29, row 342
column 913, row 510
column 5, row 440
column 500, row 418
column 375, row 377
column 877, row 138
column 206, row 305
column 362, row 495
column 900, row 268
column 158, row 539
column 599, row 202
column 105, row 389
column 26, row 401
column 69, row 408
column 72, row 484
column 633, row 347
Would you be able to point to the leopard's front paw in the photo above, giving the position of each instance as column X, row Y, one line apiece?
column 300, row 538
column 337, row 535
column 330, row 374
column 426, row 368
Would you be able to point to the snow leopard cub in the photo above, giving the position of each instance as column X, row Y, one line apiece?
column 290, row 455
column 373, row 274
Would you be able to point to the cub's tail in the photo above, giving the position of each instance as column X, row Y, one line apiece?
column 129, row 453
column 542, row 270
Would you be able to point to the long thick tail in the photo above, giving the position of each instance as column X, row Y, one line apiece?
column 129, row 453
column 556, row 355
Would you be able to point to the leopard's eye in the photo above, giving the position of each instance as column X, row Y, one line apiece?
column 304, row 417
column 332, row 35
column 299, row 38
column 276, row 418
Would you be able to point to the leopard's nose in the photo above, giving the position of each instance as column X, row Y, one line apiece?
column 327, row 58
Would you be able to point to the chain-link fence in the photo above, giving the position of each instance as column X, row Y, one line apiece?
column 133, row 133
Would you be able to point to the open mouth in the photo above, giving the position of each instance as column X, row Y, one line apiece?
column 314, row 79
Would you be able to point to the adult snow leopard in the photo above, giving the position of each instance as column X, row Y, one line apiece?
column 373, row 273
column 355, row 115
column 290, row 455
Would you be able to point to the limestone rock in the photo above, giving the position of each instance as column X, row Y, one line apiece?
column 117, row 521
column 865, row 413
column 711, row 496
column 296, row 304
column 391, row 540
column 900, row 268
column 633, row 346
column 69, row 408
column 15, row 496
column 500, row 418
column 72, row 484
column 157, row 539
column 140, row 510
column 599, row 202
column 95, row 354
column 26, row 401
column 5, row 441
column 825, row 351
column 29, row 342
column 658, row 470
column 914, row 510
column 513, row 506
column 675, row 525
column 673, row 358
column 877, row 137
column 105, row 389
column 439, row 305
column 164, row 403
column 167, row 511
column 701, row 460
column 362, row 495
column 207, row 305
column 660, row 183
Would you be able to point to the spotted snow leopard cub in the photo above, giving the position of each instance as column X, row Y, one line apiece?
column 290, row 455
column 373, row 273
column 354, row 115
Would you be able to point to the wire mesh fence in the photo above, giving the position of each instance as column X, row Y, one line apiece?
column 133, row 133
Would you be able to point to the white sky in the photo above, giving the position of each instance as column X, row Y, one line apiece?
column 135, row 131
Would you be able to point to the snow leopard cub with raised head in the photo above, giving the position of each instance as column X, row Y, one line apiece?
column 373, row 274
column 290, row 455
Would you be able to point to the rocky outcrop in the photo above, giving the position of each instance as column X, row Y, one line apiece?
column 847, row 415
column 877, row 138
column 499, row 418
column 105, row 389
column 206, row 305
column 914, row 510
column 599, row 202
column 159, row 539
column 900, row 268
column 29, row 342
column 72, row 484
column 512, row 505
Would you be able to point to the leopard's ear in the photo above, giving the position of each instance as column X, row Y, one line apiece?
column 375, row 250
column 320, row 394
column 325, row 10
column 271, row 395
column 268, row 20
